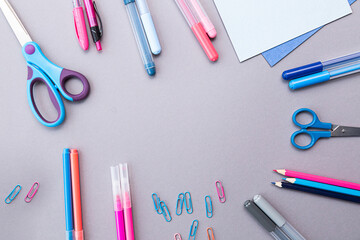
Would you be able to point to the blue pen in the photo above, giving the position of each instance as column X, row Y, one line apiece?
column 321, row 66
column 67, row 195
column 324, row 76
column 140, row 36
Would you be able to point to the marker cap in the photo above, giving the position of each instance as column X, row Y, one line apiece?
column 303, row 71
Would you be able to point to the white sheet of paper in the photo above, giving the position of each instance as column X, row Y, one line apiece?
column 255, row 26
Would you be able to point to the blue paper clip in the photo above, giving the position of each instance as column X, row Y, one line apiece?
column 156, row 201
column 13, row 194
column 208, row 206
column 165, row 211
column 189, row 207
column 180, row 204
column 193, row 229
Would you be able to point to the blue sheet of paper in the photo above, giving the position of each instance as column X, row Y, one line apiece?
column 274, row 55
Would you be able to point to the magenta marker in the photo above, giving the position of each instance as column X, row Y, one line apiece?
column 96, row 31
column 126, row 198
column 118, row 207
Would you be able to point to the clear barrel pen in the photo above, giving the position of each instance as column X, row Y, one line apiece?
column 140, row 37
column 197, row 29
column 118, row 207
column 321, row 66
column 324, row 76
column 149, row 26
column 203, row 18
column 277, row 218
column 265, row 221
column 126, row 197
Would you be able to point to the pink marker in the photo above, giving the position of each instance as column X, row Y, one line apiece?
column 96, row 31
column 80, row 25
column 126, row 198
column 203, row 18
column 118, row 207
column 197, row 29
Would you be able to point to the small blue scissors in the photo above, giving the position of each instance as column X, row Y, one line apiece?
column 335, row 130
column 42, row 70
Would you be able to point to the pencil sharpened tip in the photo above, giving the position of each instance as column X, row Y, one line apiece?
column 273, row 183
column 275, row 170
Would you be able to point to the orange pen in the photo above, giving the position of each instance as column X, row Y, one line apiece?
column 75, row 184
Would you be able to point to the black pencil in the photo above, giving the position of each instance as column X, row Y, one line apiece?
column 317, row 191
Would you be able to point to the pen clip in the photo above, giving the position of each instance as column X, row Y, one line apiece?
column 98, row 16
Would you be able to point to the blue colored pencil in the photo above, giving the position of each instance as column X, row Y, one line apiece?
column 69, row 224
column 317, row 191
column 323, row 186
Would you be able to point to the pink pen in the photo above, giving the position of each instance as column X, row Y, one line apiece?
column 126, row 197
column 80, row 25
column 203, row 18
column 118, row 207
column 197, row 29
column 96, row 31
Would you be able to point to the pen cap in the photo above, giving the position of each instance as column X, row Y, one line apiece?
column 302, row 71
column 186, row 11
column 269, row 210
column 125, row 186
column 260, row 216
column 142, row 6
column 116, row 188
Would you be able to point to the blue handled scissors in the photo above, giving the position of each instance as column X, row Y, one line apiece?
column 42, row 70
column 334, row 130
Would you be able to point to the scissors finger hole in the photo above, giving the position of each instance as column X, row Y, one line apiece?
column 302, row 139
column 73, row 85
column 304, row 118
column 44, row 101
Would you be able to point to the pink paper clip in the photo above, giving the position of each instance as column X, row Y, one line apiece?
column 177, row 236
column 221, row 194
column 32, row 192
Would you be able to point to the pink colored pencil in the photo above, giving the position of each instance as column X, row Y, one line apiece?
column 320, row 179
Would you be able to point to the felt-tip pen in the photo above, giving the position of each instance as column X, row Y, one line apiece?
column 96, row 32
column 140, row 36
column 265, row 221
column 318, row 67
column 198, row 29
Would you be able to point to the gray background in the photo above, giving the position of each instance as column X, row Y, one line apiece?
column 194, row 123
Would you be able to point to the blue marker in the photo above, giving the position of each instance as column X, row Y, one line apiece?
column 140, row 36
column 318, row 67
column 324, row 76
column 67, row 195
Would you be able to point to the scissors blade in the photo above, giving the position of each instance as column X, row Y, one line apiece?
column 343, row 131
column 15, row 23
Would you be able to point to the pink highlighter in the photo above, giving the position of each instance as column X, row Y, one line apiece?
column 80, row 25
column 192, row 19
column 126, row 198
column 118, row 207
column 203, row 18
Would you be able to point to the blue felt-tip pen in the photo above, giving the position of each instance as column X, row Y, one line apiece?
column 318, row 67
column 69, row 224
column 324, row 76
column 140, row 36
